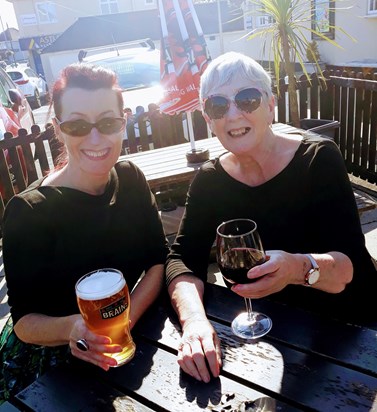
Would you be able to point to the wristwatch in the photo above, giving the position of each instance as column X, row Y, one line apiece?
column 312, row 276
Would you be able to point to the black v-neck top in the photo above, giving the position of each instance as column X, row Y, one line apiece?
column 309, row 207
column 54, row 235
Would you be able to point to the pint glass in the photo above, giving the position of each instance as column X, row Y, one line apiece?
column 104, row 302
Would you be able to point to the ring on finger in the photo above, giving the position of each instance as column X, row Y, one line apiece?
column 82, row 345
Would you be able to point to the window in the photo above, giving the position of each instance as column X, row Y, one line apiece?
column 31, row 73
column 109, row 6
column 372, row 6
column 149, row 2
column 46, row 12
column 4, row 99
column 264, row 20
column 323, row 19
column 248, row 21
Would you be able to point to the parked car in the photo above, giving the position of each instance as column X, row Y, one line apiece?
column 33, row 86
column 138, row 71
column 15, row 113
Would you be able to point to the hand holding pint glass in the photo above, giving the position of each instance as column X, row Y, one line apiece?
column 104, row 302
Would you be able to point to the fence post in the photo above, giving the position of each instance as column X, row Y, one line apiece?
column 17, row 169
column 5, row 179
column 155, row 119
column 131, row 136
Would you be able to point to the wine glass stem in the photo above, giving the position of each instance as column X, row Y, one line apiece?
column 249, row 308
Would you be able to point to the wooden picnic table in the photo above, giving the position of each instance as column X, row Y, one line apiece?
column 169, row 164
column 305, row 363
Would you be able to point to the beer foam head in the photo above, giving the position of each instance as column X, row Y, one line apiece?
column 100, row 284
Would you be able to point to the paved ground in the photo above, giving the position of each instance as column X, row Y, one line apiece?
column 171, row 222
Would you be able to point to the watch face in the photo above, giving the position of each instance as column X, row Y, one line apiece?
column 313, row 276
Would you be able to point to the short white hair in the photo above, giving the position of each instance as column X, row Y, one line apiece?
column 228, row 66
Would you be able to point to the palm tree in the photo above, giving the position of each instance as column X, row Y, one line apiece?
column 287, row 38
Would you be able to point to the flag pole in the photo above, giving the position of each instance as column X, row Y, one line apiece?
column 191, row 131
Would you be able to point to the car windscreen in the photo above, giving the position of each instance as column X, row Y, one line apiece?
column 15, row 75
column 133, row 73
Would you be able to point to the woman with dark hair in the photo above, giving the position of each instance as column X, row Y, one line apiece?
column 91, row 212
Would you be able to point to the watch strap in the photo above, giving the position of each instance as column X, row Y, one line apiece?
column 314, row 268
column 312, row 261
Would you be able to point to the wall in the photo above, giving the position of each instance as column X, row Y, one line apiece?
column 67, row 11
column 351, row 19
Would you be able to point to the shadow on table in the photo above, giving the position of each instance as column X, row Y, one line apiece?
column 99, row 390
column 205, row 394
column 131, row 375
column 333, row 361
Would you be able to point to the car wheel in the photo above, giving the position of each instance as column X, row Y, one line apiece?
column 36, row 102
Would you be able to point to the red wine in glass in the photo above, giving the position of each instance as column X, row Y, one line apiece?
column 236, row 262
column 239, row 248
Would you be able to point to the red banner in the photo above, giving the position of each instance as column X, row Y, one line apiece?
column 184, row 56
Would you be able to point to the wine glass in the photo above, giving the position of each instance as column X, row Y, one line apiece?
column 239, row 248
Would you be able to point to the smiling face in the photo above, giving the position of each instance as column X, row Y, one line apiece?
column 241, row 132
column 95, row 154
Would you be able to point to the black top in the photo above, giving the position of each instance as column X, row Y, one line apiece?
column 54, row 235
column 309, row 207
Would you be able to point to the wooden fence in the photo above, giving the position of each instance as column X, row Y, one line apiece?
column 350, row 100
column 154, row 129
column 24, row 159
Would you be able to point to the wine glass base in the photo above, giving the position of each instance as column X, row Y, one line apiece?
column 258, row 326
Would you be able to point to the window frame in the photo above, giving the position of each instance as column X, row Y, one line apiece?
column 4, row 95
column 109, row 4
column 328, row 22
column 39, row 14
column 264, row 20
column 372, row 7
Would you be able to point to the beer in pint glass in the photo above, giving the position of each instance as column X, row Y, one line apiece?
column 104, row 303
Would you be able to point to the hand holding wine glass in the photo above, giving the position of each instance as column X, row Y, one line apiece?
column 239, row 248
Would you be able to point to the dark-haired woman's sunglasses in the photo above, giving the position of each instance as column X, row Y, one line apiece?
column 80, row 127
column 248, row 100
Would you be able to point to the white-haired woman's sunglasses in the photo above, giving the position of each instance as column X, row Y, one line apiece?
column 248, row 100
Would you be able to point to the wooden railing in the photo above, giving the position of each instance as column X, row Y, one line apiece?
column 24, row 159
column 153, row 129
column 351, row 99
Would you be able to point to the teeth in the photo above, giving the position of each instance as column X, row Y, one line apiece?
column 239, row 132
column 95, row 154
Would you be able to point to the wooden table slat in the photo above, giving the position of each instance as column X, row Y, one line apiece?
column 357, row 349
column 57, row 391
column 291, row 364
column 274, row 365
column 8, row 407
column 154, row 379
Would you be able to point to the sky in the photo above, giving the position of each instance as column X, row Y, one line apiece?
column 7, row 15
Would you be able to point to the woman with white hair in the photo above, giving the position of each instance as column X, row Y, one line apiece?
column 295, row 187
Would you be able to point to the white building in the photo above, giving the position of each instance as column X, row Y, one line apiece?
column 54, row 32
